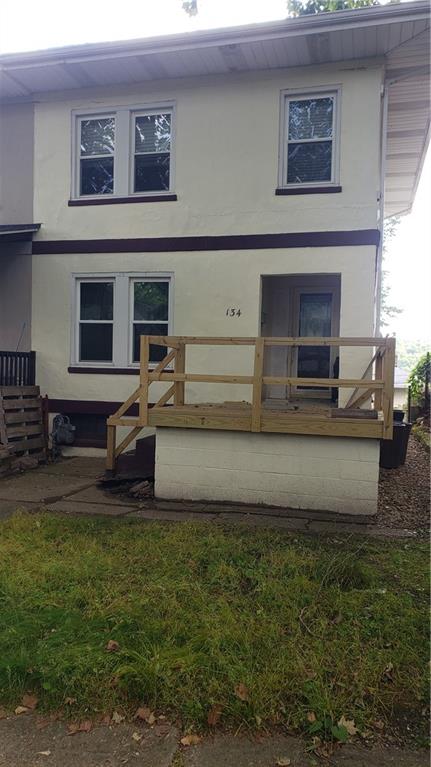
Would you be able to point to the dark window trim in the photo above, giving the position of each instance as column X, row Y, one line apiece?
column 284, row 190
column 122, row 200
column 328, row 239
column 108, row 371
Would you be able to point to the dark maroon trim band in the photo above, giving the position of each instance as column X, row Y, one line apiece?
column 88, row 407
column 283, row 190
column 328, row 239
column 122, row 200
column 110, row 371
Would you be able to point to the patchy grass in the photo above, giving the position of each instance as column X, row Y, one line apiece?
column 332, row 626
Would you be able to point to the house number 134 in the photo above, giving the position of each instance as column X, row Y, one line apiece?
column 232, row 312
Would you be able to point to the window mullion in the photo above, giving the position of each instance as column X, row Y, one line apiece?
column 122, row 153
column 121, row 319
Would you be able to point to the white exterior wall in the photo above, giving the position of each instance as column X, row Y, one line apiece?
column 226, row 148
column 205, row 284
column 285, row 470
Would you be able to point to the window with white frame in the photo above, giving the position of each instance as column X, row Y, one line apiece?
column 309, row 139
column 123, row 153
column 113, row 311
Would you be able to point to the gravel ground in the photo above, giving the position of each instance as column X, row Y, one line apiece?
column 404, row 493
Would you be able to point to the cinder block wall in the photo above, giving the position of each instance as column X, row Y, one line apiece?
column 301, row 472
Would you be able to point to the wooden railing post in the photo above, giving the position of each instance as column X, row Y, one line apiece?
column 378, row 373
column 388, row 389
column 143, row 380
column 256, row 409
column 180, row 367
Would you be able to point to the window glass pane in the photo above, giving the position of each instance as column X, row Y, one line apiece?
column 151, row 300
column 309, row 162
column 156, row 352
column 97, row 176
column 97, row 301
column 310, row 118
column 151, row 172
column 153, row 133
column 315, row 314
column 95, row 342
column 97, row 136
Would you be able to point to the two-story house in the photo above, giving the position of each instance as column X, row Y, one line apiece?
column 226, row 183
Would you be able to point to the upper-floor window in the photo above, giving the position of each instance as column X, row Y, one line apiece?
column 309, row 151
column 123, row 152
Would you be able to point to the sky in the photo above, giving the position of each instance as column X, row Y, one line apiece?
column 54, row 23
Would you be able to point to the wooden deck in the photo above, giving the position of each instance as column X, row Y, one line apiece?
column 300, row 416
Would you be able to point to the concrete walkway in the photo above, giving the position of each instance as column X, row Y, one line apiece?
column 70, row 487
column 30, row 741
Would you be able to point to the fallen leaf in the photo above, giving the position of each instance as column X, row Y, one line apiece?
column 106, row 719
column 214, row 715
column 29, row 701
column 241, row 691
column 191, row 740
column 117, row 718
column 70, row 701
column 145, row 714
column 44, row 753
column 349, row 724
column 137, row 737
column 388, row 672
column 379, row 725
column 21, row 710
column 311, row 717
column 283, row 761
column 112, row 646
column 76, row 727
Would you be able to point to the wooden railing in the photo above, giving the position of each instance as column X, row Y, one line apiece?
column 379, row 386
column 17, row 368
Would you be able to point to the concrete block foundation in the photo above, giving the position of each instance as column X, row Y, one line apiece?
column 286, row 470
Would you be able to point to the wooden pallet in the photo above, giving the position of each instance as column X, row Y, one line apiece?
column 22, row 433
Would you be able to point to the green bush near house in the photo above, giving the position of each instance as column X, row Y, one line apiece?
column 333, row 625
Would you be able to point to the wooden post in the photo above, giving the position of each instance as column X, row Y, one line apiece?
column 379, row 375
column 110, row 448
column 388, row 388
column 143, row 380
column 180, row 367
column 256, row 408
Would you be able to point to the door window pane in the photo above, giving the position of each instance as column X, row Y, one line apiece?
column 315, row 314
column 95, row 342
column 97, row 301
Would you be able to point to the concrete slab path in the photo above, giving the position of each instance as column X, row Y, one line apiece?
column 70, row 487
column 24, row 743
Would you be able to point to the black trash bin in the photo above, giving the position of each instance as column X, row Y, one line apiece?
column 393, row 451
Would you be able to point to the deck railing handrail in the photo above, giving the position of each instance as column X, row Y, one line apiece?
column 381, row 385
column 17, row 368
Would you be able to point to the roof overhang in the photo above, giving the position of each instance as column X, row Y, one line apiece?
column 17, row 232
column 397, row 33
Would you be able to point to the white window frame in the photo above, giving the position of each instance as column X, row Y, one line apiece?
column 333, row 91
column 78, row 321
column 124, row 144
column 122, row 336
column 132, row 321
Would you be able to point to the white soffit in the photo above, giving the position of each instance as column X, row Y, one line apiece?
column 399, row 32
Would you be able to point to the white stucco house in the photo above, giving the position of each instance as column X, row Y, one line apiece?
column 229, row 184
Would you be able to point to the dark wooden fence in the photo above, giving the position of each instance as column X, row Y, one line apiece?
column 17, row 368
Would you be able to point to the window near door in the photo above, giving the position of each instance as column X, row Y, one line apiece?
column 309, row 136
column 113, row 311
column 124, row 153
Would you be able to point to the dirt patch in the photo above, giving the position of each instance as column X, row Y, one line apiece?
column 404, row 493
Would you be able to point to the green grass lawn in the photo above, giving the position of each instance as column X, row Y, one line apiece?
column 333, row 626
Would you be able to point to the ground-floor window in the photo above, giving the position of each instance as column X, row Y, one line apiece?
column 112, row 311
